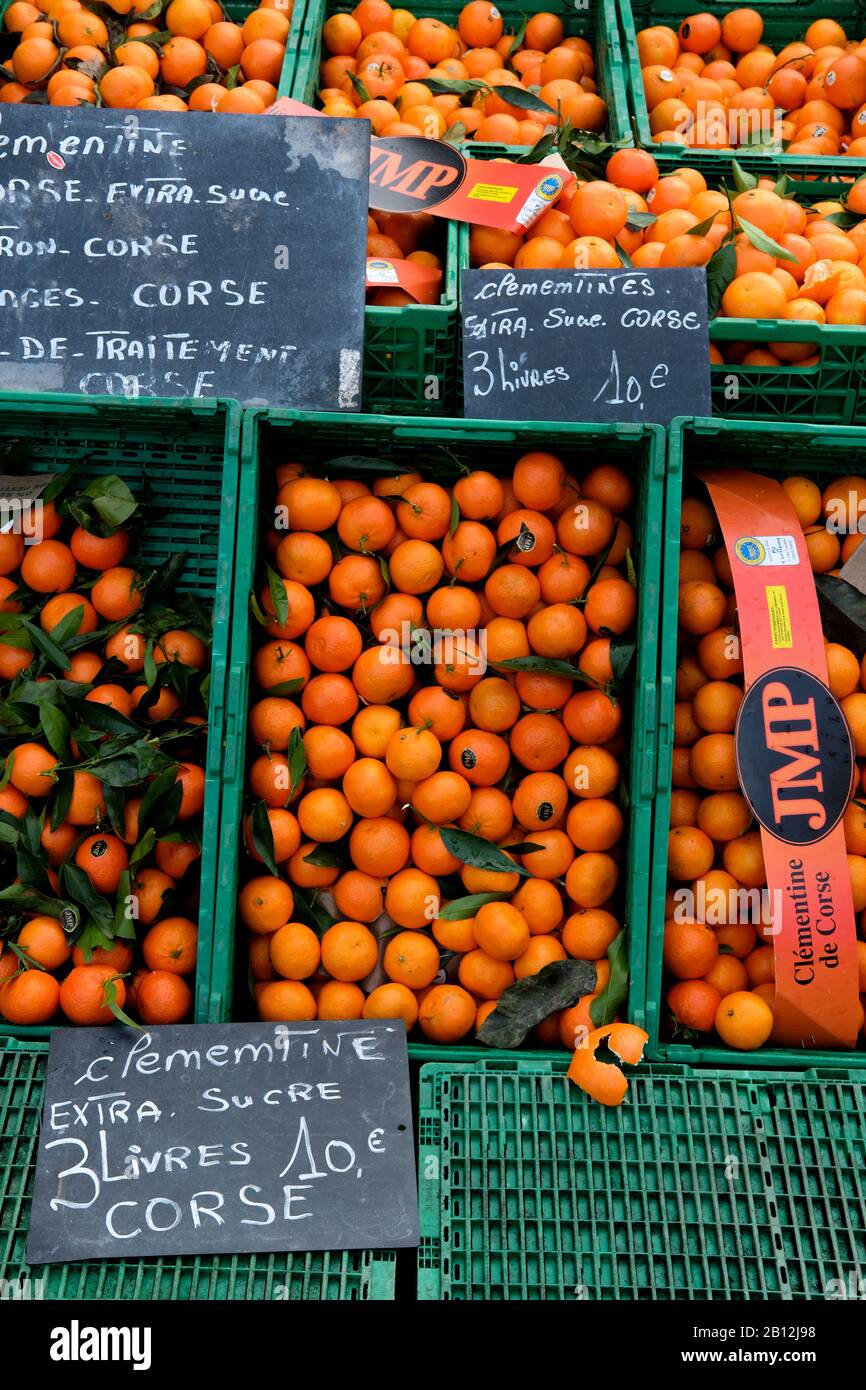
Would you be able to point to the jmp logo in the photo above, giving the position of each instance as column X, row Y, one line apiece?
column 750, row 550
column 794, row 755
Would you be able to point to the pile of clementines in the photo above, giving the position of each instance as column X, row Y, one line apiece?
column 404, row 74
column 182, row 55
column 787, row 262
column 719, row 951
column 437, row 661
column 713, row 84
column 102, row 728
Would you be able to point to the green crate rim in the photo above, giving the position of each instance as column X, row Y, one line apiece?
column 599, row 19
column 657, row 1194
column 644, row 706
column 322, row 1275
column 37, row 413
column 797, row 14
column 837, row 437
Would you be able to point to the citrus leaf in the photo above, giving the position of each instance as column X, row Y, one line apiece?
column 843, row 612
column 46, row 645
column 624, row 258
column 279, row 597
column 743, row 181
column 603, row 1009
column 456, row 86
column 636, row 221
column 263, row 837
column 326, row 857
column 55, row 727
column 523, row 99
column 143, row 847
column 76, row 883
column 309, row 910
column 764, row 242
column 109, row 994
column 455, row 515
column 518, row 40
column 18, row 895
column 622, row 650
column 287, row 687
column 702, row 227
column 297, row 758
column 112, row 500
column 461, row 908
column 531, row 1000
column 60, row 798
column 721, row 269
column 360, row 89
column 160, row 803
column 472, row 849
column 542, row 665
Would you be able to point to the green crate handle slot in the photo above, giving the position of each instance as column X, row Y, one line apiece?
column 647, row 707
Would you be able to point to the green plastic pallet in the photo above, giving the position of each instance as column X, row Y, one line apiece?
column 819, row 453
column 702, row 1185
column 784, row 21
column 316, row 1276
column 185, row 458
column 274, row 436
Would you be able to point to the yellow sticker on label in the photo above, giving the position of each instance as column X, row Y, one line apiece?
column 492, row 193
column 780, row 616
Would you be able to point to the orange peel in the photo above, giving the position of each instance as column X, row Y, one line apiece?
column 603, row 1081
column 820, row 282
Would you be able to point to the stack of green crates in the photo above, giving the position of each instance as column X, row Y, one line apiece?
column 271, row 437
column 817, row 453
column 784, row 22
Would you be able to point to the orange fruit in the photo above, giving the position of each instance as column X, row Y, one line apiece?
column 85, row 991
column 411, row 959
column 744, row 1020
column 286, row 1001
column 349, row 951
column 447, row 1013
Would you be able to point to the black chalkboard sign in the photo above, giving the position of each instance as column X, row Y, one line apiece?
column 224, row 1139
column 628, row 346
column 160, row 253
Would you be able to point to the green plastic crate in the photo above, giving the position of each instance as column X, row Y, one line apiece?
column 272, row 436
column 237, row 10
column 831, row 392
column 702, row 1185
column 316, row 1276
column 187, row 457
column 410, row 355
column 595, row 20
column 784, row 21
column 819, row 453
